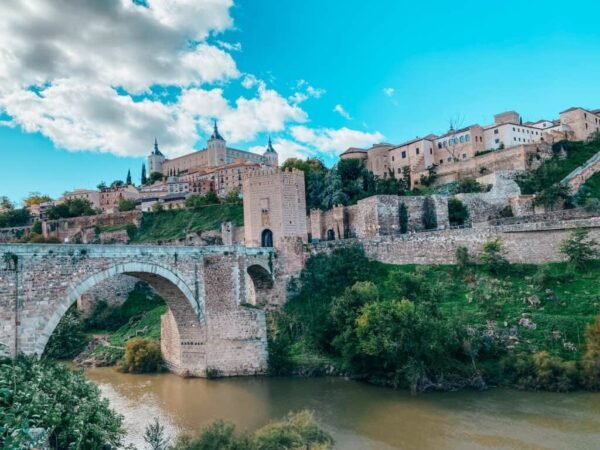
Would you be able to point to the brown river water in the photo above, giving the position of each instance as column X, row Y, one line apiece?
column 359, row 416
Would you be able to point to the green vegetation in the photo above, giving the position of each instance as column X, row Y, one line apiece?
column 567, row 157
column 126, row 204
column 75, row 207
column 458, row 214
column 429, row 218
column 43, row 400
column 69, row 337
column 175, row 224
column 141, row 356
column 296, row 432
column 14, row 217
column 442, row 327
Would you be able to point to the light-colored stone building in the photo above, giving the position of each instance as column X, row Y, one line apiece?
column 451, row 151
column 216, row 162
column 111, row 197
column 87, row 194
column 274, row 207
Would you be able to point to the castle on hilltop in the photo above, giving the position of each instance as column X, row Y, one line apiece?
column 217, row 167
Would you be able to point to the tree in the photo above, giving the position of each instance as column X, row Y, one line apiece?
column 467, row 186
column 128, row 179
column 551, row 195
column 5, row 203
column 493, row 256
column 463, row 259
column 116, row 183
column 14, row 218
column 126, row 204
column 429, row 179
column 333, row 193
column 35, row 198
column 154, row 436
column 314, row 170
column 69, row 338
column 429, row 218
column 143, row 179
column 154, row 177
column 590, row 363
column 457, row 212
column 403, row 218
column 233, row 197
column 200, row 201
column 579, row 248
column 101, row 186
column 75, row 207
column 594, row 138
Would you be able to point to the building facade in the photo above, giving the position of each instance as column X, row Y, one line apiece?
column 467, row 144
column 274, row 207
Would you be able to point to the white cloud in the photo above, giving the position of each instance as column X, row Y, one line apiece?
column 230, row 47
column 389, row 91
column 268, row 111
column 342, row 112
column 305, row 91
column 334, row 141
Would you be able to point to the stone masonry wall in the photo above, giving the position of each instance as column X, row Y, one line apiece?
column 532, row 243
column 113, row 291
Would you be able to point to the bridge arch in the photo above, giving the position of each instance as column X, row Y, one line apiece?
column 187, row 309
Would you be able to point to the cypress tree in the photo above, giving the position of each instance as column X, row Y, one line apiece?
column 429, row 215
column 128, row 179
column 403, row 218
column 144, row 179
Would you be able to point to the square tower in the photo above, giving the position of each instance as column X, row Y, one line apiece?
column 274, row 207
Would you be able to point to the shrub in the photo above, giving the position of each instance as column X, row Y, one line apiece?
column 69, row 338
column 457, row 212
column 44, row 394
column 75, row 207
column 296, row 431
column 126, row 204
column 467, row 186
column 541, row 371
column 141, row 356
column 493, row 256
column 579, row 248
column 463, row 259
column 590, row 364
column 154, row 436
column 104, row 317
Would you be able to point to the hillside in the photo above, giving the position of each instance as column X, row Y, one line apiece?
column 474, row 325
column 176, row 224
column 568, row 156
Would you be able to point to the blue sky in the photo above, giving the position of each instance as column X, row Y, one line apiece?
column 79, row 107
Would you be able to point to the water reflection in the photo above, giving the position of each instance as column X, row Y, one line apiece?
column 360, row 416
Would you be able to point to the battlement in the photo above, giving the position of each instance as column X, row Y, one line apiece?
column 271, row 172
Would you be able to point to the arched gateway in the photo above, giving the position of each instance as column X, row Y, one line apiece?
column 208, row 326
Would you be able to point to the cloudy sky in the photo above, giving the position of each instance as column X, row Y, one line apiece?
column 86, row 85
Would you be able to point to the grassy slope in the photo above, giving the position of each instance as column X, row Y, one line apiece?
column 171, row 225
column 593, row 184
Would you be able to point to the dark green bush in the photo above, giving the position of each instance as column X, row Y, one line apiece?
column 69, row 338
column 141, row 356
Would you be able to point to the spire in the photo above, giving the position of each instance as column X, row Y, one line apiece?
column 270, row 148
column 156, row 150
column 216, row 134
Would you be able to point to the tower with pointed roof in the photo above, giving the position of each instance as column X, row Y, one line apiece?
column 156, row 159
column 270, row 155
column 216, row 149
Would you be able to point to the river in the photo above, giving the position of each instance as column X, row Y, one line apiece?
column 359, row 416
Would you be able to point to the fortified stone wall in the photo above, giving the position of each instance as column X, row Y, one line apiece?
column 81, row 229
column 113, row 291
column 579, row 176
column 532, row 243
column 13, row 234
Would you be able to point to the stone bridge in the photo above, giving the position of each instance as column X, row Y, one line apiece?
column 213, row 323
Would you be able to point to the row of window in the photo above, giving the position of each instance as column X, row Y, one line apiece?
column 454, row 141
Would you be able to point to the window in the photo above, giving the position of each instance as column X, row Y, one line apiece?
column 515, row 139
column 399, row 170
column 403, row 155
column 392, row 158
column 449, row 158
column 496, row 131
column 497, row 141
column 417, row 151
column 444, row 144
column 441, row 161
column 431, row 151
column 462, row 139
column 514, row 129
column 464, row 156
column 467, row 138
column 439, row 145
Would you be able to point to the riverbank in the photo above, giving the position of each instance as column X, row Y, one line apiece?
column 359, row 416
